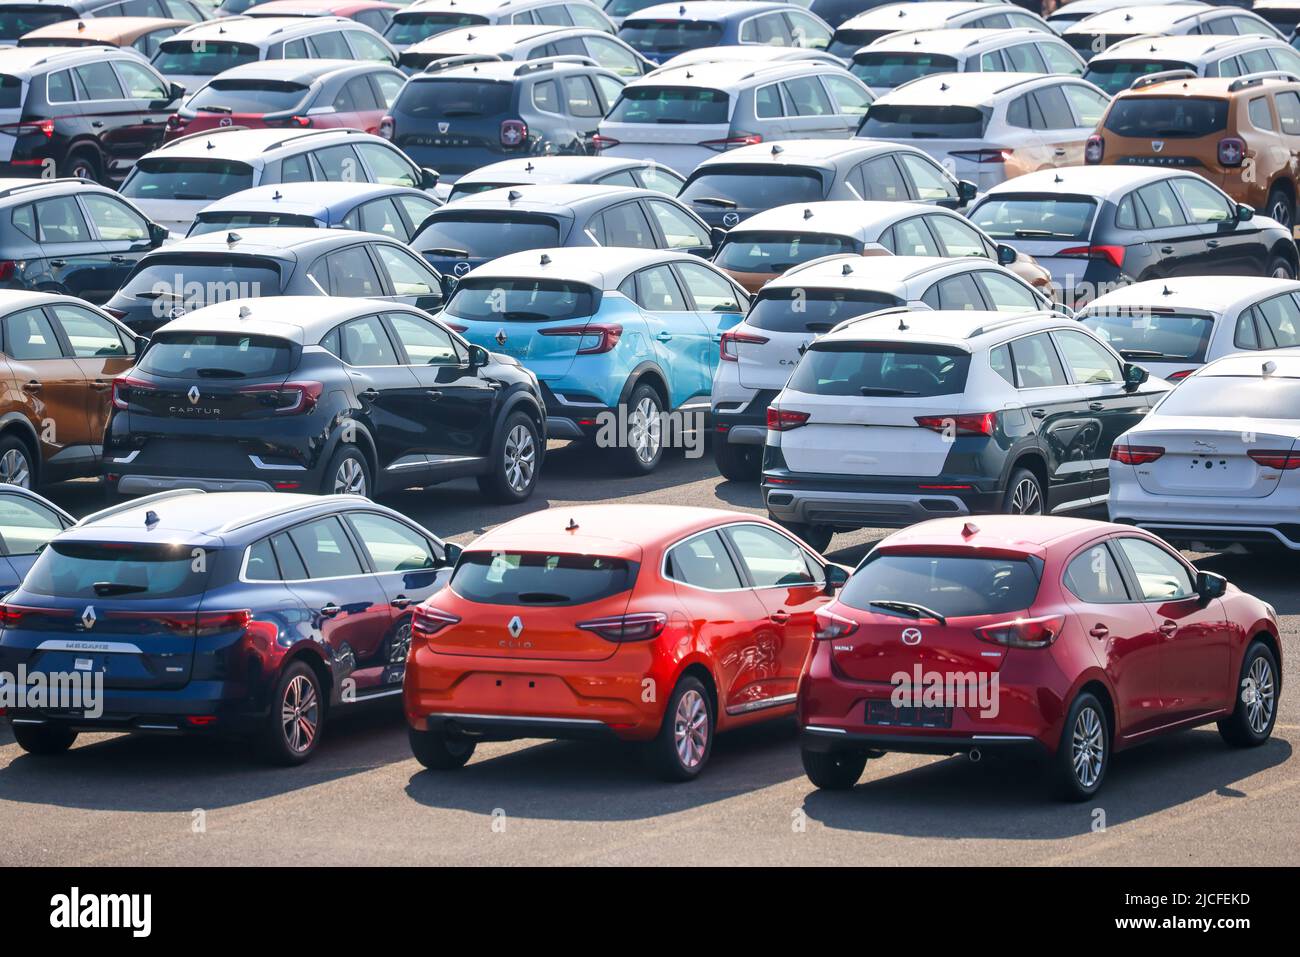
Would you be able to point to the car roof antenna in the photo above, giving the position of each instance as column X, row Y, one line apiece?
column 572, row 526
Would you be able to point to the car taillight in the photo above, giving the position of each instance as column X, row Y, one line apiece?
column 638, row 626
column 732, row 338
column 997, row 154
column 1232, row 151
column 427, row 620
column 115, row 313
column 122, row 388
column 1180, row 375
column 731, row 142
column 1094, row 149
column 216, row 622
column 783, row 420
column 600, row 142
column 1276, row 459
column 1023, row 632
column 1135, row 454
column 974, row 423
column 827, row 624
column 513, row 132
column 289, row 398
column 386, row 127
column 176, row 122
column 7, row 269
column 597, row 337
column 44, row 127
column 1112, row 254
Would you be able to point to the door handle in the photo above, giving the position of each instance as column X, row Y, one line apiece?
column 664, row 336
column 330, row 610
column 118, row 259
column 32, row 386
column 58, row 263
column 1038, row 413
column 1168, row 628
column 1099, row 630
column 401, row 601
column 100, row 385
column 370, row 395
column 1095, row 406
column 97, row 124
column 1059, row 151
column 1213, row 243
column 779, row 617
column 149, row 121
column 1167, row 250
column 433, row 394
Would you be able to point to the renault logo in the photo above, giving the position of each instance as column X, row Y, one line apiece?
column 88, row 618
column 515, row 627
column 911, row 636
column 500, row 336
column 193, row 395
column 460, row 268
column 730, row 219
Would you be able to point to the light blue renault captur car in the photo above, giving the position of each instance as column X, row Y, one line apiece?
column 624, row 342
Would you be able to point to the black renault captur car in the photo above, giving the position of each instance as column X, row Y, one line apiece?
column 248, row 614
column 330, row 395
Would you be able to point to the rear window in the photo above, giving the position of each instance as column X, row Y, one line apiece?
column 216, row 355
column 1167, row 116
column 218, row 222
column 194, row 280
column 15, row 20
column 775, row 252
column 907, row 122
column 880, row 370
column 521, row 300
column 539, row 578
column 202, row 59
column 1230, row 397
column 116, row 570
column 175, row 177
column 953, row 586
column 410, row 27
column 1140, row 334
column 753, row 187
column 894, row 69
column 11, row 92
column 624, row 8
column 799, row 309
column 248, row 96
column 1115, row 75
column 670, row 104
column 452, row 98
column 1036, row 217
column 669, row 36
column 846, row 42
column 452, row 236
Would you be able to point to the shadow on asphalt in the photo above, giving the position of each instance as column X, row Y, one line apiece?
column 1267, row 575
column 1009, row 801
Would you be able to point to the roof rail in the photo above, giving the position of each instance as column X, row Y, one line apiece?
column 1164, row 76
column 245, row 520
column 207, row 23
column 1257, row 79
column 298, row 26
column 212, row 132
column 59, row 53
column 774, row 65
column 38, row 183
column 464, row 59
column 120, row 507
column 1013, row 319
column 551, row 62
column 875, row 314
column 999, row 34
column 346, row 131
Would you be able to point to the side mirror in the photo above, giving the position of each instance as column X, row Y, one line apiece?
column 836, row 576
column 141, row 343
column 1007, row 255
column 966, row 191
column 157, row 235
column 1245, row 213
column 1134, row 375
column 1210, row 585
column 716, row 235
column 175, row 91
column 451, row 553
column 478, row 357
column 429, row 177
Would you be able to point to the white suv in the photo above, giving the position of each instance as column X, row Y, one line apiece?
column 427, row 18
column 869, row 26
column 902, row 416
column 1097, row 33
column 791, row 311
column 1124, row 63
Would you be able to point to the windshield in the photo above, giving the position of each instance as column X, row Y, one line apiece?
column 1141, row 334
column 893, row 69
column 521, row 300
column 1232, row 397
column 191, row 355
column 753, row 187
column 1167, row 116
column 908, row 122
column 862, row 369
column 118, row 570
column 1115, row 75
column 800, row 309
column 775, row 252
column 409, row 26
column 248, row 96
column 670, row 104
column 451, row 98
column 175, row 177
column 193, row 280
column 669, row 36
column 1035, row 217
column 484, row 236
column 539, row 578
column 953, row 586
column 189, row 58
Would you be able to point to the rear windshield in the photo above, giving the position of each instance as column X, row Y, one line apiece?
column 1230, row 397
column 1035, row 217
column 670, row 104
column 193, row 280
column 117, row 570
column 908, row 122
column 624, row 8
column 248, row 96
column 669, row 37
column 459, row 236
column 1140, row 335
column 175, row 177
column 775, row 252
column 521, row 300
column 1167, row 116
column 538, row 578
column 1115, row 75
column 15, row 20
column 208, row 58
column 217, row 222
column 884, row 370
column 409, row 26
column 953, row 586
column 452, row 98
column 847, row 42
column 469, row 189
column 1086, row 44
column 894, row 69
column 217, row 355
column 799, row 309
column 753, row 187
column 1284, row 18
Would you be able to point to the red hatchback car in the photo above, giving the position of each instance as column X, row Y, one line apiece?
column 653, row 624
column 1065, row 638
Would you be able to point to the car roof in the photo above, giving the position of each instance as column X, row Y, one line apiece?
column 26, row 190
column 709, row 10
column 876, row 272
column 505, row 70
column 299, row 319
column 730, row 73
column 909, row 16
column 1286, row 363
column 233, row 143
column 752, row 53
column 305, row 197
column 481, row 7
column 1029, row 535
column 1156, row 18
column 306, row 70
column 243, row 29
column 967, row 89
column 1200, row 294
column 822, row 154
column 837, row 217
column 103, row 28
column 624, row 529
column 11, row 299
column 1103, row 182
column 277, row 242
column 309, row 7
column 1184, row 46
column 603, row 267
column 550, row 169
column 950, row 40
column 27, row 61
column 549, row 197
column 968, row 330
column 1215, row 86
column 486, row 38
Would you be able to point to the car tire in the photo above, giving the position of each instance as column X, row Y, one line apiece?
column 816, row 537
column 1281, row 207
column 83, row 164
column 641, row 450
column 16, row 465
column 43, row 739
column 516, row 460
column 685, row 740
column 440, row 752
column 1083, row 755
column 1280, row 268
column 833, row 771
column 293, row 741
column 346, row 473
column 1251, row 721
column 737, row 463
column 1024, row 495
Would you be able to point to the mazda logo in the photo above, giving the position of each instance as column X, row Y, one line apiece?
column 460, row 268
column 911, row 636
column 224, row 121
column 730, row 219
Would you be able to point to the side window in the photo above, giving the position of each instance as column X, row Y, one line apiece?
column 1036, row 363
column 929, row 179
column 387, row 86
column 98, row 81
column 702, row 561
column 1256, row 61
column 612, row 56
column 958, row 239
column 330, row 45
column 1093, row 576
column 770, row 558
column 178, row 10
column 623, row 177
column 711, row 292
column 1060, row 59
column 657, row 290
column 1288, row 112
column 626, row 225
column 609, row 87
column 912, row 238
column 28, row 335
column 1160, row 576
column 881, row 178
column 296, row 50
column 114, row 221
column 1088, row 104
column 425, row 343
column 1126, row 214
column 1261, row 117
column 362, row 94
column 140, row 83
column 148, row 43
column 381, row 217
column 767, row 102
column 1245, row 336
column 409, row 276
column 391, row 545
column 325, row 549
column 1006, row 293
column 585, row 17
column 295, row 169
column 770, row 30
column 680, row 231
column 351, row 273
column 657, row 179
column 1023, row 113
column 26, row 525
column 955, row 292
column 808, row 97
column 260, row 565
column 546, row 96
column 90, row 335
column 286, row 555
column 59, row 220
column 1280, row 320
column 416, row 209
column 366, row 47
column 1054, row 107
column 388, row 166
column 364, row 342
column 1089, row 361
column 1162, row 205
column 851, row 98
column 338, row 164
column 1023, row 58
column 1205, row 203
column 24, row 220
column 1286, row 59
column 806, row 32
column 1000, row 360
column 581, row 95
column 555, row 16
column 59, row 87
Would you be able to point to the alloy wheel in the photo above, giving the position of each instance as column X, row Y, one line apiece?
column 14, row 469
column 299, row 714
column 1025, row 499
column 350, row 479
column 645, row 430
column 1088, row 747
column 401, row 645
column 691, row 728
column 1281, row 211
column 521, row 458
column 1259, row 695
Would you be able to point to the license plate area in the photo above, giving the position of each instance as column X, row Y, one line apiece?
column 884, row 714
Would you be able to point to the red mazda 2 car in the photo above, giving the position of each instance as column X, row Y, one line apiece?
column 654, row 624
column 1062, row 637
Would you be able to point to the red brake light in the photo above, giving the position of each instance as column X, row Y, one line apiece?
column 1135, row 454
column 513, row 133
column 1287, row 461
column 731, row 142
column 600, row 142
column 122, row 387
column 292, row 398
column 1180, row 375
column 783, row 420
column 386, row 127
column 1023, row 632
column 995, row 155
column 827, row 624
column 1232, row 151
column 427, row 620
column 639, row 626
column 731, row 338
column 976, row 423
column 604, row 336
column 300, row 120
column 7, row 269
column 1112, row 254
column 1094, row 149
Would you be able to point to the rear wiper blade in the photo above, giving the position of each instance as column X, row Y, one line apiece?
column 880, row 390
column 447, row 251
column 104, row 589
column 1035, row 232
column 714, row 201
column 526, row 316
column 909, row 608
column 1143, row 354
column 157, row 294
column 214, row 109
column 540, row 597
column 213, row 373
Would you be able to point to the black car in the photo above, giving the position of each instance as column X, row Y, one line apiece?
column 264, row 261
column 87, row 112
column 142, row 593
column 72, row 237
column 326, row 395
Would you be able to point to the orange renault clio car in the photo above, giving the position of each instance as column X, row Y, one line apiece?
column 654, row 624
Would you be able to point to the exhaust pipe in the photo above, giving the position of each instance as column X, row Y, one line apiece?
column 975, row 755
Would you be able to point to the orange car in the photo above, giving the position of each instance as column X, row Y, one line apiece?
column 648, row 623
column 141, row 33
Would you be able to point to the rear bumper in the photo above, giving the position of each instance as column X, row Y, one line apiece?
column 849, row 504
column 834, row 740
column 491, row 727
column 1201, row 520
column 222, row 707
column 572, row 416
column 743, row 423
